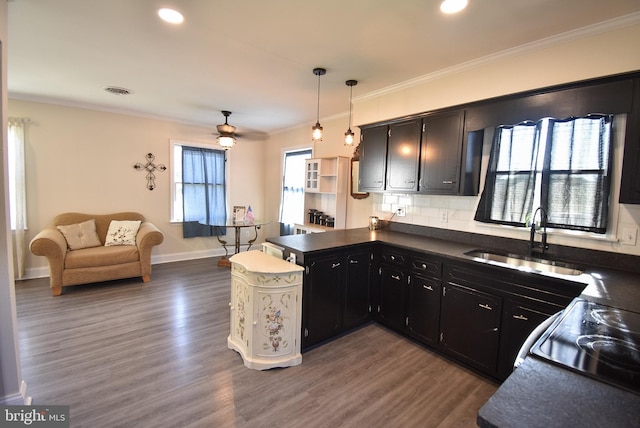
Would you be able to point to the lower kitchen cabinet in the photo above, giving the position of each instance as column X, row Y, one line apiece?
column 518, row 321
column 321, row 299
column 423, row 309
column 357, row 302
column 393, row 282
column 335, row 295
column 470, row 326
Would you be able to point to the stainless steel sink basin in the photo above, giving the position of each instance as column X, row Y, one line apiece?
column 526, row 263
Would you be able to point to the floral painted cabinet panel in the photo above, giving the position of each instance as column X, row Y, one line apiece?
column 266, row 298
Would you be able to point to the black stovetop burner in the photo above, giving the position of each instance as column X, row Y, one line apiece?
column 596, row 340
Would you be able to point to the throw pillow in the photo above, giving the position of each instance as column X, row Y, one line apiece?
column 80, row 235
column 122, row 232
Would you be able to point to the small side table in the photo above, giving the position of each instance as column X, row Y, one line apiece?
column 237, row 226
column 266, row 310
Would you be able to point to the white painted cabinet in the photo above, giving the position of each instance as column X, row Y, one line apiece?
column 326, row 190
column 266, row 310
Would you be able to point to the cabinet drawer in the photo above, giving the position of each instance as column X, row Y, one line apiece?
column 432, row 268
column 393, row 258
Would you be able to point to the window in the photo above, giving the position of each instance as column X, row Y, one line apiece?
column 198, row 188
column 563, row 166
column 292, row 206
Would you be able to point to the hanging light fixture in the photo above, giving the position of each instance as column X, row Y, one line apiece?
column 226, row 142
column 348, row 136
column 316, row 130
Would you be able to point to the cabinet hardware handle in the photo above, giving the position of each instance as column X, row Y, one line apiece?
column 447, row 182
column 353, row 262
column 335, row 265
column 485, row 306
column 424, row 266
column 396, row 277
column 427, row 287
column 393, row 257
column 410, row 181
column 521, row 317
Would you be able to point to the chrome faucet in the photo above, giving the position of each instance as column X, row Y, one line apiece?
column 542, row 245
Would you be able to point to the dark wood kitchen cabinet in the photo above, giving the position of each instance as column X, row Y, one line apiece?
column 357, row 302
column 518, row 321
column 441, row 153
column 392, row 284
column 335, row 294
column 423, row 299
column 373, row 159
column 403, row 156
column 470, row 326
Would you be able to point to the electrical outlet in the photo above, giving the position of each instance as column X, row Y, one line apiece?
column 444, row 216
column 401, row 211
column 247, row 233
column 629, row 236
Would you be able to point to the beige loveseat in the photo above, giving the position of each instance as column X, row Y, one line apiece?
column 96, row 263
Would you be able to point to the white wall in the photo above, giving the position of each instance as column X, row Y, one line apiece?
column 82, row 160
column 599, row 51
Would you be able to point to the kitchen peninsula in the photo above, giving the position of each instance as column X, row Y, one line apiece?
column 538, row 393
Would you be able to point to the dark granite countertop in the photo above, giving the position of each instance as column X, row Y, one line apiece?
column 538, row 393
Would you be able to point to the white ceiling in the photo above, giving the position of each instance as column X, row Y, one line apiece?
column 256, row 57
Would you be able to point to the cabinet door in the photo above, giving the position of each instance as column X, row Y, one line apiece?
column 393, row 282
column 469, row 326
column 403, row 155
column 518, row 322
column 423, row 309
column 322, row 301
column 441, row 153
column 356, row 289
column 373, row 159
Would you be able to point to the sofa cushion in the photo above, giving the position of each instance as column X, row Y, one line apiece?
column 80, row 235
column 122, row 232
column 101, row 256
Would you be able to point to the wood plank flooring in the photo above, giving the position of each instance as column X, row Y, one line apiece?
column 128, row 354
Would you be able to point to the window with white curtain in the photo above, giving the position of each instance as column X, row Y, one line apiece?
column 292, row 201
column 561, row 165
column 17, row 191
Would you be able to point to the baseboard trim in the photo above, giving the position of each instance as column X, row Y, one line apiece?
column 20, row 398
column 43, row 272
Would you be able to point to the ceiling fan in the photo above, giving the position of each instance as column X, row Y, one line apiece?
column 227, row 134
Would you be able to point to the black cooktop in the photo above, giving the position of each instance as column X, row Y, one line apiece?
column 596, row 340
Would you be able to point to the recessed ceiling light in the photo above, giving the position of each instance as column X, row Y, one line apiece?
column 170, row 15
column 453, row 6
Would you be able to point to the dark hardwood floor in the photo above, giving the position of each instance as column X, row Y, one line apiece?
column 129, row 354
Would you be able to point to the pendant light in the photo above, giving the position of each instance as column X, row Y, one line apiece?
column 316, row 130
column 348, row 136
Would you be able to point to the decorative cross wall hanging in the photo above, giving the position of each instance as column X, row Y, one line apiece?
column 150, row 168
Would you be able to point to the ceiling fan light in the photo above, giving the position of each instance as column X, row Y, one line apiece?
column 316, row 132
column 226, row 142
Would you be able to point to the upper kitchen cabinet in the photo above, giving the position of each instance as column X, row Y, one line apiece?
column 373, row 159
column 630, row 182
column 403, row 156
column 423, row 154
column 441, row 153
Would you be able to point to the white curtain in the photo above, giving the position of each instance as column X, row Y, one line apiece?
column 17, row 193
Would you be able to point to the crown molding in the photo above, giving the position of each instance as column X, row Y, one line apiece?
column 588, row 31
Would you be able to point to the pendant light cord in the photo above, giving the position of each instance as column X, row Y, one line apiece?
column 318, row 110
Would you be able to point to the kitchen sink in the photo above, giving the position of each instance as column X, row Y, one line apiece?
column 526, row 262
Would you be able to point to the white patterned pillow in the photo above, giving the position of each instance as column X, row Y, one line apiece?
column 122, row 232
column 80, row 235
